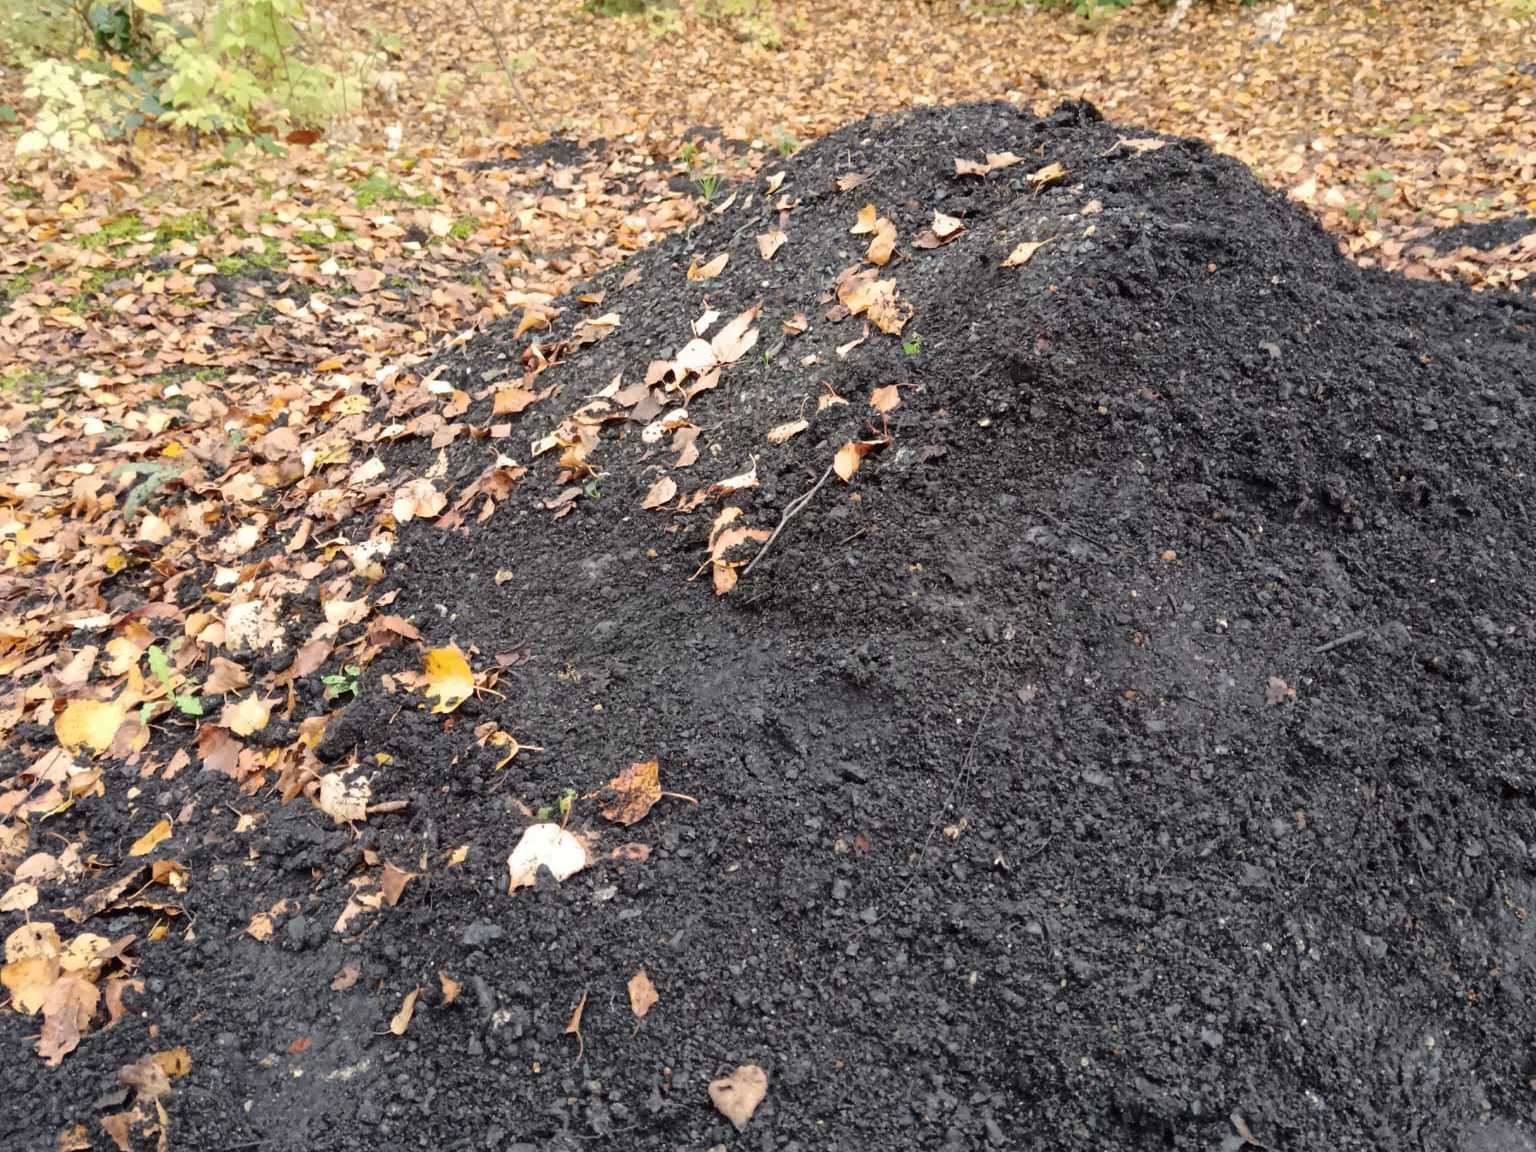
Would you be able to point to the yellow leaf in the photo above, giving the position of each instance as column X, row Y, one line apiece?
column 866, row 221
column 883, row 244
column 174, row 1061
column 697, row 271
column 247, row 716
column 93, row 723
column 449, row 679
column 1050, row 174
column 147, row 843
column 153, row 7
column 781, row 433
column 402, row 1019
column 1021, row 253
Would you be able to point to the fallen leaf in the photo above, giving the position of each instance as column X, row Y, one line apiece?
column 941, row 231
column 246, row 717
column 1022, row 252
column 573, row 1025
column 660, row 493
column 392, row 882
column 849, row 457
column 736, row 483
column 549, row 846
column 795, row 325
column 770, row 242
column 93, row 723
column 642, row 994
column 849, row 181
column 19, row 897
column 450, row 987
column 146, row 843
column 1277, row 691
column 737, row 1096
column 886, row 398
column 349, row 975
column 448, row 677
column 636, row 790
column 865, row 224
column 1140, row 144
column 781, row 433
column 736, row 339
column 1043, row 178
column 401, row 1020
column 709, row 271
column 67, row 1011
column 174, row 1062
column 884, row 243
column 344, row 801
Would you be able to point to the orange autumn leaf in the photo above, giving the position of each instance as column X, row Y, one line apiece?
column 635, row 792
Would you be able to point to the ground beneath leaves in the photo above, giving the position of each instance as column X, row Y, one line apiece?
column 1131, row 753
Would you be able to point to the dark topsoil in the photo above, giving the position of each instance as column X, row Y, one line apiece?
column 1012, row 833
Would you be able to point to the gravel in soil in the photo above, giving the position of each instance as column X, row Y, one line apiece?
column 1135, row 754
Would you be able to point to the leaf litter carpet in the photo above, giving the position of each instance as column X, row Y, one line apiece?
column 1121, row 738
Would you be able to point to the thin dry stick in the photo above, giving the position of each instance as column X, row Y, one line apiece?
column 793, row 509
column 501, row 55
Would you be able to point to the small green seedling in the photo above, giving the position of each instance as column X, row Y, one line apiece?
column 343, row 683
column 913, row 346
column 160, row 667
column 708, row 183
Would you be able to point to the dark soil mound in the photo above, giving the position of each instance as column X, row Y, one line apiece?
column 1137, row 753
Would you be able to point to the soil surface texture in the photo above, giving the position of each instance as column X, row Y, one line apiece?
column 1136, row 753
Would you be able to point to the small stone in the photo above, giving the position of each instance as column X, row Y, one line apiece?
column 1211, row 1038
column 482, row 932
column 840, row 889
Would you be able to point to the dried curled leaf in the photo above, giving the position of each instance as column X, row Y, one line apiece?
column 93, row 723
column 770, row 242
column 147, row 843
column 737, row 1096
column 865, row 224
column 642, row 994
column 549, row 846
column 710, row 270
column 1022, row 253
column 782, row 433
column 635, row 792
column 883, row 245
column 401, row 1020
column 886, row 398
column 660, row 493
column 1051, row 174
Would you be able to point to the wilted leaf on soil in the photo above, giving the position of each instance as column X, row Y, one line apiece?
column 737, row 1096
column 941, row 231
column 709, row 270
column 1022, row 253
column 350, row 972
column 886, row 398
column 146, row 843
column 781, row 433
column 549, row 846
column 573, row 1025
column 660, row 492
column 636, row 790
column 865, row 224
column 19, row 897
column 795, row 325
column 737, row 338
column 67, row 1010
column 770, row 242
column 392, row 882
column 93, row 723
column 344, row 801
column 448, row 678
column 1051, row 174
column 1140, row 144
column 642, row 994
column 848, row 181
column 401, row 1020
column 736, row 483
column 449, row 985
column 246, row 717
column 883, row 245
column 849, row 456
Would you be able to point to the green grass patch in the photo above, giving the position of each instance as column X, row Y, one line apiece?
column 119, row 231
column 378, row 188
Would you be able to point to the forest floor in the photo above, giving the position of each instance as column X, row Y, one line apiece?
column 1118, row 752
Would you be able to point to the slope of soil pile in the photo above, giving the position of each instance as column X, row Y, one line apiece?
column 1134, row 752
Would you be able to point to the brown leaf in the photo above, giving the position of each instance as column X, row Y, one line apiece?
column 642, row 994
column 636, row 790
column 737, row 1096
column 451, row 987
column 884, row 243
column 1277, row 691
column 770, row 242
column 849, row 457
column 67, row 1012
column 401, row 1020
column 660, row 493
column 350, row 972
column 709, row 271
column 850, row 180
column 246, row 717
column 573, row 1025
column 865, row 224
column 781, row 433
column 886, row 398
column 392, row 882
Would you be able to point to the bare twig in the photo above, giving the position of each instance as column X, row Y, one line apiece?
column 1347, row 638
column 793, row 509
column 501, row 55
